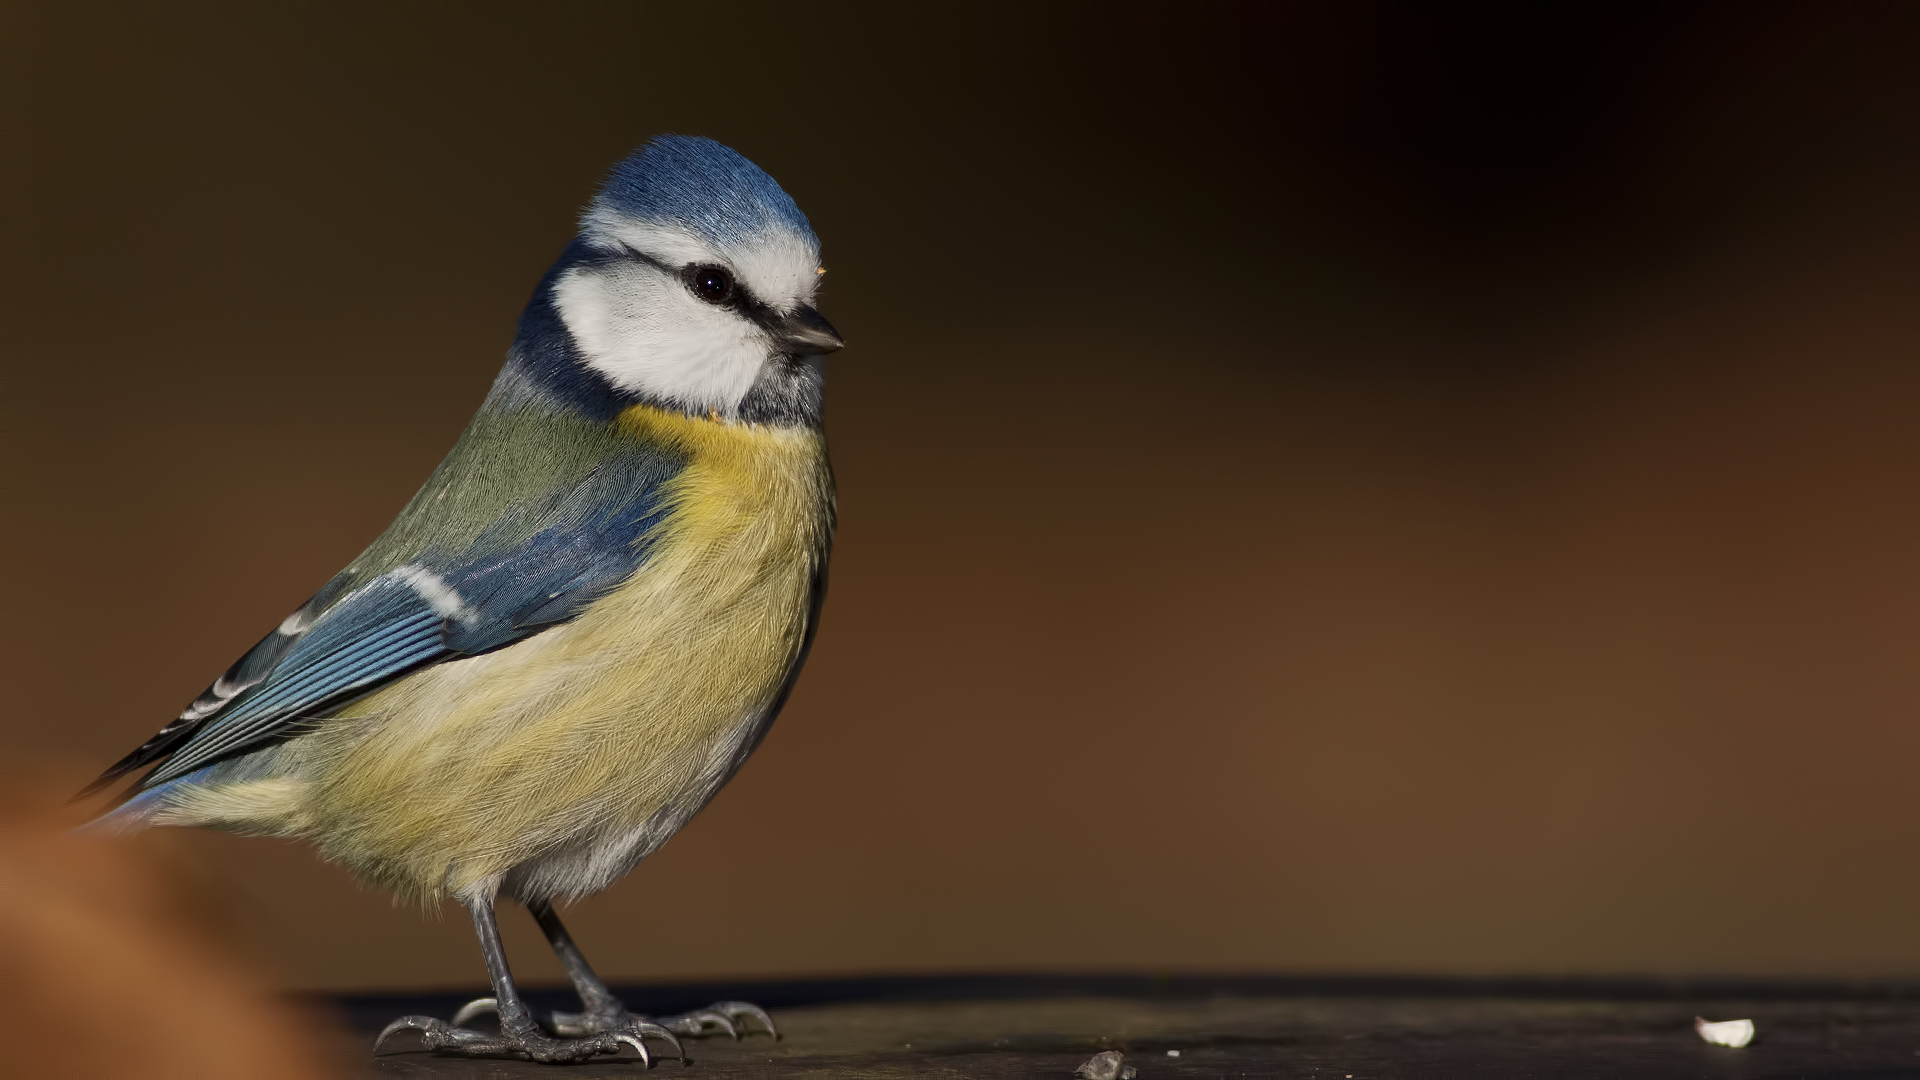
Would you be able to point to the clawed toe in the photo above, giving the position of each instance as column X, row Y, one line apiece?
column 437, row 1034
column 575, row 1025
column 735, row 1010
column 440, row 1036
column 635, row 1029
column 697, row 1023
column 726, row 1016
column 477, row 1007
column 578, row 1036
column 409, row 1023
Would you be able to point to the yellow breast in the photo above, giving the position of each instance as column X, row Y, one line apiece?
column 470, row 768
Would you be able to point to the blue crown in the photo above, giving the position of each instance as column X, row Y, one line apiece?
column 704, row 186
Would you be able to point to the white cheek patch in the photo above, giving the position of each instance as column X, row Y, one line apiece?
column 645, row 332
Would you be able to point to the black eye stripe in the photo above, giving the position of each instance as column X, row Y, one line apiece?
column 738, row 297
column 709, row 281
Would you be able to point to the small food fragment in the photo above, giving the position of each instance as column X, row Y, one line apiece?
column 1106, row 1065
column 1734, row 1033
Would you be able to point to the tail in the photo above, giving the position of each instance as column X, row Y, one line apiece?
column 137, row 812
column 127, row 818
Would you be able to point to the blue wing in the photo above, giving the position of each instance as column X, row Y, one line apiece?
column 354, row 636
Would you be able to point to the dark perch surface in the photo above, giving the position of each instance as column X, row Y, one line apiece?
column 1046, row 1026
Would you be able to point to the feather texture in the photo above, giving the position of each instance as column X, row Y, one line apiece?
column 533, row 515
column 554, row 764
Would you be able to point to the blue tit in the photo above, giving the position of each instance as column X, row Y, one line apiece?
column 582, row 624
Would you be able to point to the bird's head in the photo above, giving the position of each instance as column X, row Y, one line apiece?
column 692, row 285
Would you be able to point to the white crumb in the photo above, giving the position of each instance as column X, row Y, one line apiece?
column 1734, row 1033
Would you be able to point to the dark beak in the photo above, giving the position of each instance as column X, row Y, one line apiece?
column 805, row 332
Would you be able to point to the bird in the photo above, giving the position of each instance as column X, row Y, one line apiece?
column 581, row 625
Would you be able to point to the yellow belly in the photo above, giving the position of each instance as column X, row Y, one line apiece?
column 444, row 782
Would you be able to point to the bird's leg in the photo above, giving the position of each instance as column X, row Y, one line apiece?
column 605, row 1012
column 519, row 1035
column 603, row 1009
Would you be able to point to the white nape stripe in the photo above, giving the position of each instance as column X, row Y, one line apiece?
column 442, row 597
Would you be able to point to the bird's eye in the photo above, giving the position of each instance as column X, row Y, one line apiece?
column 711, row 283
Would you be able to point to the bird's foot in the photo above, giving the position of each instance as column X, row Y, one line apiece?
column 722, row 1016
column 719, row 1018
column 530, row 1043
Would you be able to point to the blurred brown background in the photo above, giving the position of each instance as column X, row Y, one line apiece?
column 1324, row 488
